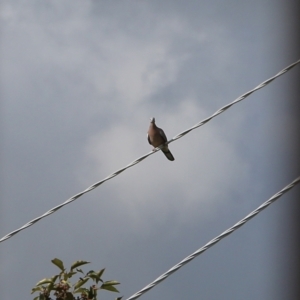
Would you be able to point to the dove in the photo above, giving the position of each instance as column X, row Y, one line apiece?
column 157, row 137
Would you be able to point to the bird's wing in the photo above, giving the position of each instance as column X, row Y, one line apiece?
column 162, row 134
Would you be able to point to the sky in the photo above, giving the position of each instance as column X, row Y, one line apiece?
column 80, row 81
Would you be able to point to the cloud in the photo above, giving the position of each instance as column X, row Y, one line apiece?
column 83, row 65
column 80, row 80
column 192, row 186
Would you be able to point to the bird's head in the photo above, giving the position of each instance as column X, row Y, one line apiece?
column 152, row 120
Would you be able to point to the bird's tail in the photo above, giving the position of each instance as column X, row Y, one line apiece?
column 168, row 154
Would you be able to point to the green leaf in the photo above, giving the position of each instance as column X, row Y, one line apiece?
column 53, row 278
column 111, row 282
column 92, row 276
column 109, row 288
column 79, row 270
column 119, row 298
column 79, row 263
column 96, row 276
column 50, row 287
column 69, row 275
column 81, row 282
column 81, row 290
column 58, row 263
column 44, row 281
column 36, row 298
column 91, row 293
column 36, row 289
column 99, row 274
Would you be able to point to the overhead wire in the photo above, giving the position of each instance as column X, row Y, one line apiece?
column 214, row 241
column 138, row 160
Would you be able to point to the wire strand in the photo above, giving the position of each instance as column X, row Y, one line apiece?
column 214, row 241
column 138, row 160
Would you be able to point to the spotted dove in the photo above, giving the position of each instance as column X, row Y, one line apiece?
column 157, row 137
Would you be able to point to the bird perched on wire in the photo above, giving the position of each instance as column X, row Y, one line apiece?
column 157, row 137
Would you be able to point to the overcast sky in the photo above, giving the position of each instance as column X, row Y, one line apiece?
column 80, row 80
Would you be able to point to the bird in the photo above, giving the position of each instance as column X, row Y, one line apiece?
column 157, row 137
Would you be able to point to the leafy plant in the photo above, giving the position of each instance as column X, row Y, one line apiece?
column 62, row 288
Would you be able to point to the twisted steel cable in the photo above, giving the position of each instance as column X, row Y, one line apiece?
column 180, row 135
column 214, row 241
column 242, row 97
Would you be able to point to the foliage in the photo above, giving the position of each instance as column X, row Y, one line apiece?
column 62, row 288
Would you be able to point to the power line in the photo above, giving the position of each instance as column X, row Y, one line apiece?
column 242, row 97
column 214, row 241
column 180, row 135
